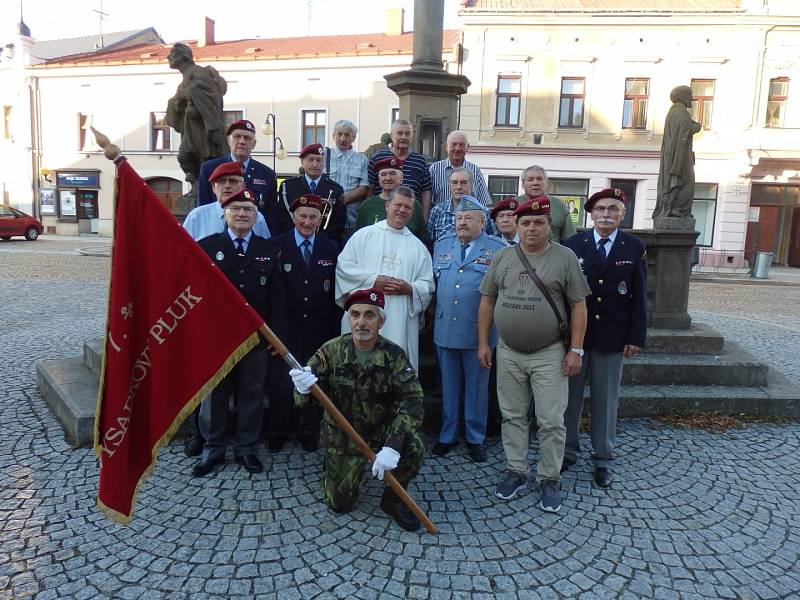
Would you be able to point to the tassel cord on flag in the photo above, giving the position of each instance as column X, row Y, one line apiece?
column 345, row 426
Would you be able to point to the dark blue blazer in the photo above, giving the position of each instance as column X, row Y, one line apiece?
column 314, row 317
column 259, row 179
column 327, row 189
column 618, row 305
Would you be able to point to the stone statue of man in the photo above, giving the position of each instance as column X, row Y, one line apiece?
column 676, row 173
column 195, row 111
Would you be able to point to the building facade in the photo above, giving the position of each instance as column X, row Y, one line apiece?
column 582, row 89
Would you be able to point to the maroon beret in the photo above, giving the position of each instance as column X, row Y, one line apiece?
column 371, row 296
column 312, row 149
column 228, row 168
column 308, row 201
column 615, row 193
column 505, row 204
column 243, row 196
column 390, row 162
column 241, row 124
column 535, row 206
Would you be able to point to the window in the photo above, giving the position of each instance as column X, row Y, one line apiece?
column 231, row 116
column 394, row 117
column 508, row 99
column 85, row 136
column 160, row 132
column 314, row 127
column 702, row 101
column 704, row 209
column 573, row 193
column 628, row 187
column 7, row 110
column 776, row 104
column 501, row 187
column 573, row 92
column 634, row 108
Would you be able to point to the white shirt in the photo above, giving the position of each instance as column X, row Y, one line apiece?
column 209, row 219
column 381, row 250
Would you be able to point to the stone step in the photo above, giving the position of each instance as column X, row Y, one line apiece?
column 93, row 355
column 69, row 388
column 733, row 367
column 698, row 339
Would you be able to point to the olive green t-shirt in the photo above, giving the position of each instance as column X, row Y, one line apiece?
column 522, row 315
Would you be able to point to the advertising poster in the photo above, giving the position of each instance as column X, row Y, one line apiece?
column 68, row 204
column 47, row 201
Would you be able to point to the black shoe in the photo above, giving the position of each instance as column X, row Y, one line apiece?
column 309, row 443
column 275, row 444
column 193, row 446
column 400, row 513
column 251, row 463
column 205, row 465
column 567, row 463
column 602, row 477
column 442, row 448
column 477, row 452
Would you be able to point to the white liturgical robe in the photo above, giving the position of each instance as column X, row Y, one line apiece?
column 381, row 250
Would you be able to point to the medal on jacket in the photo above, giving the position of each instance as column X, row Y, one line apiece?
column 287, row 267
column 220, row 255
column 622, row 288
column 326, row 287
column 263, row 280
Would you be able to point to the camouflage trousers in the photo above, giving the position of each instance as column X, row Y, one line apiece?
column 344, row 472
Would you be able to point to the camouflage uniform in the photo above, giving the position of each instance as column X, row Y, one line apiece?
column 382, row 399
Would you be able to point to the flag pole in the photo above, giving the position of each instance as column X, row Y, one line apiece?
column 345, row 426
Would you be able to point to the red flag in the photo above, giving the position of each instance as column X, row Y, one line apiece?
column 176, row 326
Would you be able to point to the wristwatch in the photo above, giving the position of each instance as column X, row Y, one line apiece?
column 578, row 351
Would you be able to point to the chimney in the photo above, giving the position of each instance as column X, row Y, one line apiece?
column 207, row 33
column 394, row 21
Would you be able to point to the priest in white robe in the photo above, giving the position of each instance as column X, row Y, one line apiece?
column 389, row 257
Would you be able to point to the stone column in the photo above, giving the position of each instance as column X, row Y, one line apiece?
column 428, row 26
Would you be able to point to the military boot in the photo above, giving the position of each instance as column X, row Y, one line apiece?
column 402, row 515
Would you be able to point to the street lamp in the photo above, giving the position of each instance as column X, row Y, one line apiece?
column 269, row 129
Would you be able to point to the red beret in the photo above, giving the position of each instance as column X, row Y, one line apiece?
column 371, row 296
column 505, row 204
column 308, row 201
column 243, row 196
column 615, row 193
column 390, row 162
column 312, row 149
column 535, row 206
column 228, row 168
column 241, row 124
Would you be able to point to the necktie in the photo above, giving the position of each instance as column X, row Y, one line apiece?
column 601, row 248
column 464, row 248
column 313, row 186
column 306, row 252
column 239, row 245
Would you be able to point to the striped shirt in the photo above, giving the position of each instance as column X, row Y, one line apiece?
column 415, row 172
column 440, row 172
column 349, row 170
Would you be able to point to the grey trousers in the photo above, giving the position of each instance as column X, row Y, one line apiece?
column 246, row 383
column 604, row 372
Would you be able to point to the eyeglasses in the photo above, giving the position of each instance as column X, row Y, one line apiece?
column 244, row 209
column 612, row 210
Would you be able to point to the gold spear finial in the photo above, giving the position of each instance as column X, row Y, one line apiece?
column 110, row 150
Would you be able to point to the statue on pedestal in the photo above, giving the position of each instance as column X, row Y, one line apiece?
column 676, row 173
column 195, row 111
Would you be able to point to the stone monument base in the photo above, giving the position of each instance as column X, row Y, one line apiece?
column 674, row 223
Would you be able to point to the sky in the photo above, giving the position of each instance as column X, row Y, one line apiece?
column 175, row 21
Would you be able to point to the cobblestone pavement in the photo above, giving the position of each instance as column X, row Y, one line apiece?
column 691, row 514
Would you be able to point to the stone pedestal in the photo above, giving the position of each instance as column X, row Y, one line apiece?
column 669, row 263
column 428, row 95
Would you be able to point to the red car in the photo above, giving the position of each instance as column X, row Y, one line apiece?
column 15, row 222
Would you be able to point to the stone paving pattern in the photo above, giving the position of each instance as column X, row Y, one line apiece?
column 691, row 514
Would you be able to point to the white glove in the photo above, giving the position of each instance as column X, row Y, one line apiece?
column 385, row 460
column 303, row 379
